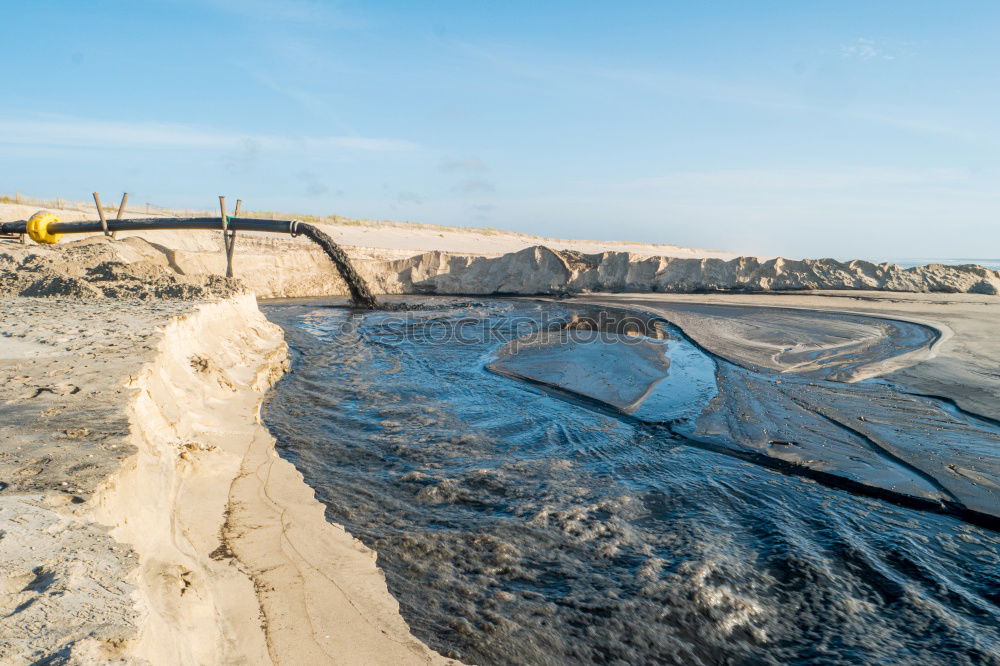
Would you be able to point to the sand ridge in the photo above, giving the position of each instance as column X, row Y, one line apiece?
column 453, row 262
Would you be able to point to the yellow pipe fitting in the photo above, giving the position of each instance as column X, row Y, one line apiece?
column 38, row 228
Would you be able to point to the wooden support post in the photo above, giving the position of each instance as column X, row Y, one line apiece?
column 231, row 241
column 100, row 212
column 227, row 241
column 121, row 211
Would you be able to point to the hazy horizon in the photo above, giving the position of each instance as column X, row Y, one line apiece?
column 848, row 130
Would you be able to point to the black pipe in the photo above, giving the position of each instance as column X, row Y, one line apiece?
column 151, row 223
column 361, row 295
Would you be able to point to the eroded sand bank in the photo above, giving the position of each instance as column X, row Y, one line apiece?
column 147, row 516
column 277, row 266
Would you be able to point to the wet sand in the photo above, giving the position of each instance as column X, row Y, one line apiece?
column 961, row 365
column 792, row 389
column 609, row 368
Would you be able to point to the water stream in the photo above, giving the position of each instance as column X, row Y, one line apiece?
column 518, row 526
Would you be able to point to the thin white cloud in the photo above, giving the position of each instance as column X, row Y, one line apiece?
column 864, row 48
column 78, row 133
column 305, row 98
column 409, row 198
column 313, row 12
column 560, row 71
column 463, row 165
column 475, row 186
column 773, row 180
column 298, row 56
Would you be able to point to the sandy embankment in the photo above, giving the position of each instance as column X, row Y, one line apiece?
column 380, row 239
column 420, row 259
column 133, row 443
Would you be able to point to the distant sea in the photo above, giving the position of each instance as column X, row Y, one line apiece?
column 911, row 262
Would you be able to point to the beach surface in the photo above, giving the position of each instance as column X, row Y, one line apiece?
column 148, row 518
column 889, row 394
column 527, row 515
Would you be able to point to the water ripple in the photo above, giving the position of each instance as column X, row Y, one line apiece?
column 516, row 527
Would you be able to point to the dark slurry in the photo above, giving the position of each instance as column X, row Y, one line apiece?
column 361, row 295
column 519, row 527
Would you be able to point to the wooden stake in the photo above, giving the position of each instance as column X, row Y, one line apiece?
column 100, row 212
column 225, row 236
column 121, row 211
column 230, row 237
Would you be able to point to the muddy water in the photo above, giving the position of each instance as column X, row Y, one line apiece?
column 361, row 293
column 519, row 526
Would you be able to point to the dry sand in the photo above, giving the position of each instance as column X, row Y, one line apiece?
column 384, row 239
column 147, row 517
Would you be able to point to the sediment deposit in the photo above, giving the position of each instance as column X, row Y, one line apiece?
column 100, row 268
column 791, row 390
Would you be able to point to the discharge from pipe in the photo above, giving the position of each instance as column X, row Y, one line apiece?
column 361, row 294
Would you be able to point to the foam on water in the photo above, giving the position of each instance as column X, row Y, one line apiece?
column 515, row 526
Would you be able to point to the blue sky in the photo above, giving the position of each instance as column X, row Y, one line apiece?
column 845, row 129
